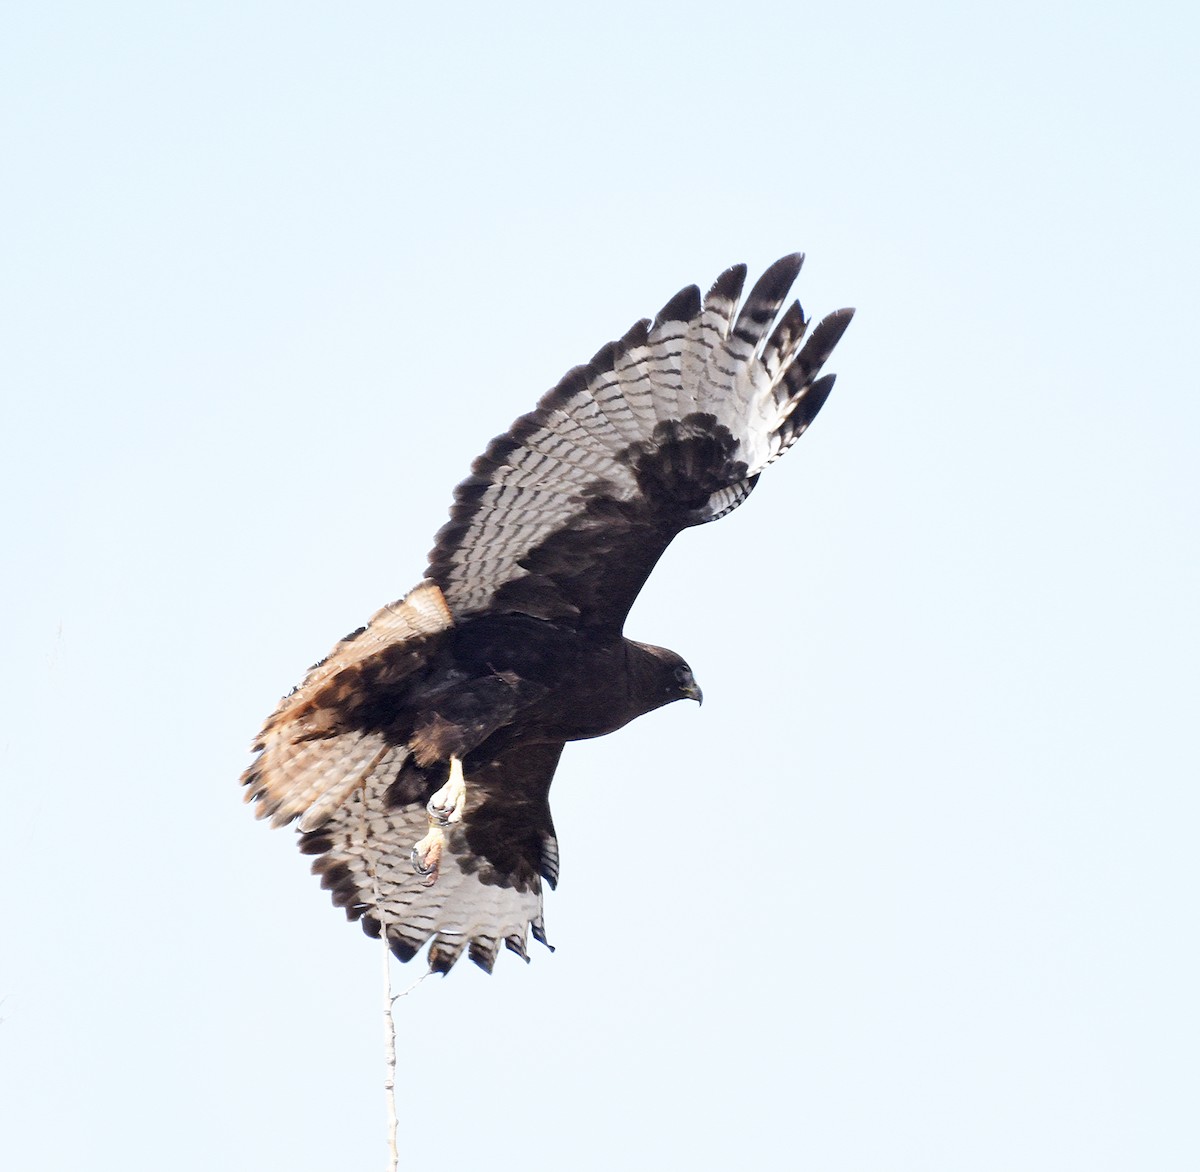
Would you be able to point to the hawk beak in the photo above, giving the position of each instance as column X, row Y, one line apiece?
column 692, row 692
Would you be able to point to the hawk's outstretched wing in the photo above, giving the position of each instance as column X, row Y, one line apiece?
column 565, row 515
column 489, row 884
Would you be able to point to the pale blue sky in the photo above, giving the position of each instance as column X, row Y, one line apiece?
column 921, row 891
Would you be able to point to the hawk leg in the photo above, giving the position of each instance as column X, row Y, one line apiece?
column 444, row 809
column 447, row 804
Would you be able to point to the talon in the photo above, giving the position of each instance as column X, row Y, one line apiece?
column 446, row 806
column 427, row 855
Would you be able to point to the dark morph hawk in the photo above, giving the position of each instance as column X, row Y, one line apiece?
column 417, row 758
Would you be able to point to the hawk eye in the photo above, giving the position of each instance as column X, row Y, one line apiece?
column 682, row 675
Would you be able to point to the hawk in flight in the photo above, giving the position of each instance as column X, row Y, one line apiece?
column 416, row 759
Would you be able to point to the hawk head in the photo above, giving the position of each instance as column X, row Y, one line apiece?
column 660, row 676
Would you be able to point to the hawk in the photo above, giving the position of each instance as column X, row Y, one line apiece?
column 416, row 759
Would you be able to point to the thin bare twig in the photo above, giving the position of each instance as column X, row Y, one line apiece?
column 389, row 1048
column 389, row 1055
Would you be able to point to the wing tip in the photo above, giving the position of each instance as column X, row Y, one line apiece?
column 826, row 336
column 683, row 307
column 781, row 274
column 727, row 286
